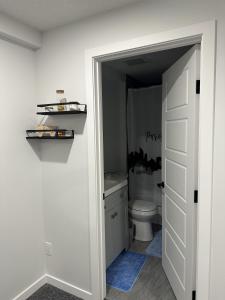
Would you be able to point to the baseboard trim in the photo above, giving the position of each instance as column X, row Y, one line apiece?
column 31, row 289
column 58, row 283
column 69, row 288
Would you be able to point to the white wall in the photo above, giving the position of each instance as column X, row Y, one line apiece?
column 61, row 64
column 65, row 173
column 65, row 210
column 114, row 120
column 21, row 218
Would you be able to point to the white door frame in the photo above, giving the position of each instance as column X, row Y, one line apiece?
column 205, row 33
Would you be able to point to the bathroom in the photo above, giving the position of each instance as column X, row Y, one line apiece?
column 132, row 139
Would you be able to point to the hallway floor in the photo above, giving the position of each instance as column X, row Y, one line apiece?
column 48, row 292
column 152, row 283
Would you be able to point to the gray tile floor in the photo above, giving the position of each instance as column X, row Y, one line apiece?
column 139, row 247
column 152, row 283
column 48, row 292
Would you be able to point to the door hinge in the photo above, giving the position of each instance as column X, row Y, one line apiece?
column 196, row 196
column 193, row 295
column 103, row 196
column 198, row 87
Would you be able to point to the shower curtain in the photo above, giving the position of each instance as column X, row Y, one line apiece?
column 144, row 113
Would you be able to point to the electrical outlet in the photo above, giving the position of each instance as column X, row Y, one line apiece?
column 48, row 248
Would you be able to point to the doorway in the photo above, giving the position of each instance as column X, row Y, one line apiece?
column 201, row 33
column 158, row 123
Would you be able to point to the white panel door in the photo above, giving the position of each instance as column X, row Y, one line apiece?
column 179, row 172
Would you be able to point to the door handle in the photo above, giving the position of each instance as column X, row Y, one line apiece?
column 161, row 185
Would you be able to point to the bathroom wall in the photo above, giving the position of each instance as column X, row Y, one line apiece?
column 144, row 134
column 114, row 120
column 64, row 166
column 61, row 63
column 21, row 215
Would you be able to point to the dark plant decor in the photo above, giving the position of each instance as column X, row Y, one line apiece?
column 140, row 159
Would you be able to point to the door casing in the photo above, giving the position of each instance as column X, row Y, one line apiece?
column 204, row 33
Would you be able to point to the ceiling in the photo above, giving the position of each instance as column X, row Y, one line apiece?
column 147, row 69
column 47, row 14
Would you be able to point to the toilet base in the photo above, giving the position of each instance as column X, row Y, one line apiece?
column 143, row 231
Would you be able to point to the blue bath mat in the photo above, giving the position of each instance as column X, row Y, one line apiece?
column 123, row 272
column 155, row 247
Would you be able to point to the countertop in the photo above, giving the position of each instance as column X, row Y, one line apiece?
column 114, row 183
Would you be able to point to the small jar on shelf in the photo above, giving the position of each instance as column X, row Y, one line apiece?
column 61, row 99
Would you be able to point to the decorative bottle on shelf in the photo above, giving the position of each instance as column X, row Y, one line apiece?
column 61, row 99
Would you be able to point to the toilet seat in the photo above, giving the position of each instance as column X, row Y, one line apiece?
column 142, row 206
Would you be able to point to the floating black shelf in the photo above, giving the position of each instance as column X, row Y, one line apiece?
column 53, row 104
column 71, row 112
column 49, row 138
column 64, row 112
column 59, row 135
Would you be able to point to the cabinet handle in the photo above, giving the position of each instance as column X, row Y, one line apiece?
column 114, row 215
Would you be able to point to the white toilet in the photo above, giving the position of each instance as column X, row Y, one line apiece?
column 141, row 213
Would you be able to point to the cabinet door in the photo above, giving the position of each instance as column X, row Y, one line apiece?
column 124, row 196
column 118, row 230
column 108, row 236
column 116, row 224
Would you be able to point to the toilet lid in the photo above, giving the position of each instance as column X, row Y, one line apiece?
column 142, row 205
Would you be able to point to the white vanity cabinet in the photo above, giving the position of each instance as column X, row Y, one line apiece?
column 116, row 223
